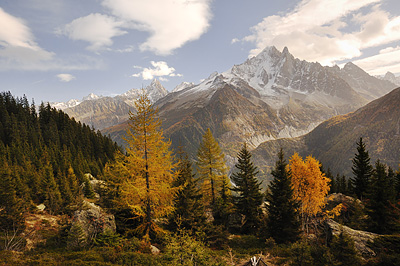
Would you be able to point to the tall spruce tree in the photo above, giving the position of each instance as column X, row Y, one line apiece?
column 362, row 170
column 249, row 198
column 282, row 223
column 397, row 184
column 223, row 206
column 211, row 167
column 380, row 198
column 189, row 209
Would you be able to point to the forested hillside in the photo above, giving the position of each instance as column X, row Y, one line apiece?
column 44, row 154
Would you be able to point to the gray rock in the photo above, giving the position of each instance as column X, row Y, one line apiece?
column 93, row 220
column 154, row 250
column 360, row 238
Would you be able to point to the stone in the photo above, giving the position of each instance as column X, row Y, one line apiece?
column 154, row 250
column 41, row 207
column 94, row 220
column 360, row 238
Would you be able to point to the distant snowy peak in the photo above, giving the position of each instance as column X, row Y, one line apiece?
column 155, row 91
column 64, row 105
column 182, row 86
column 389, row 76
column 90, row 97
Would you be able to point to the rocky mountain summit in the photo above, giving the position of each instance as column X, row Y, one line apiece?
column 102, row 112
column 389, row 76
column 270, row 96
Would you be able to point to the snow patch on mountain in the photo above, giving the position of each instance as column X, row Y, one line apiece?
column 183, row 86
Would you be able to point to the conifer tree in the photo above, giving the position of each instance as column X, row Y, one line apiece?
column 380, row 197
column 397, row 184
column 249, row 198
column 282, row 223
column 223, row 206
column 189, row 209
column 51, row 190
column 146, row 172
column 211, row 167
column 344, row 252
column 362, row 170
column 11, row 207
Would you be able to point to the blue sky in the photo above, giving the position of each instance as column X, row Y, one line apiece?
column 56, row 50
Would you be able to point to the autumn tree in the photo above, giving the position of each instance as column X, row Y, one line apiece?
column 146, row 171
column 362, row 170
column 282, row 222
column 310, row 186
column 211, row 167
column 249, row 198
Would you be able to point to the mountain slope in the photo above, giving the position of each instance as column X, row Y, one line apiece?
column 334, row 141
column 364, row 84
column 270, row 96
column 103, row 112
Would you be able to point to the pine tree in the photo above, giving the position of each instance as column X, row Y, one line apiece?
column 51, row 190
column 380, row 197
column 211, row 167
column 397, row 184
column 282, row 223
column 249, row 199
column 146, row 172
column 189, row 209
column 11, row 207
column 362, row 170
column 223, row 206
column 344, row 252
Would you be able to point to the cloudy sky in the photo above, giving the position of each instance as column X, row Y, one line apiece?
column 56, row 50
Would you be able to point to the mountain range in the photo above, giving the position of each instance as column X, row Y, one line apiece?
column 333, row 142
column 101, row 112
column 268, row 97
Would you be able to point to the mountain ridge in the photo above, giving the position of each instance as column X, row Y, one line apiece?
column 333, row 142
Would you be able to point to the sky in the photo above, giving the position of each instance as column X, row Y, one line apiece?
column 57, row 50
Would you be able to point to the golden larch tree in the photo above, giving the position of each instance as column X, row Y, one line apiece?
column 211, row 167
column 146, row 171
column 310, row 186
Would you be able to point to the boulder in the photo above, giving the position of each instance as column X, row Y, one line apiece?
column 93, row 220
column 360, row 238
column 337, row 198
column 154, row 250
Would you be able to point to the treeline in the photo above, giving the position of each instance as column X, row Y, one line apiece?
column 44, row 155
column 377, row 186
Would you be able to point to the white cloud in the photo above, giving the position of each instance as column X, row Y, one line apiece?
column 235, row 40
column 171, row 23
column 17, row 45
column 65, row 77
column 97, row 29
column 160, row 69
column 388, row 59
column 327, row 31
column 19, row 51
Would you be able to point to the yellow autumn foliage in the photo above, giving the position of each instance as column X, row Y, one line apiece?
column 146, row 171
column 310, row 185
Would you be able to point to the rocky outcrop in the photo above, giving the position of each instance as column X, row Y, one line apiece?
column 93, row 220
column 360, row 238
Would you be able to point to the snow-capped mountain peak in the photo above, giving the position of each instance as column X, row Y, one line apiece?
column 183, row 85
column 90, row 97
